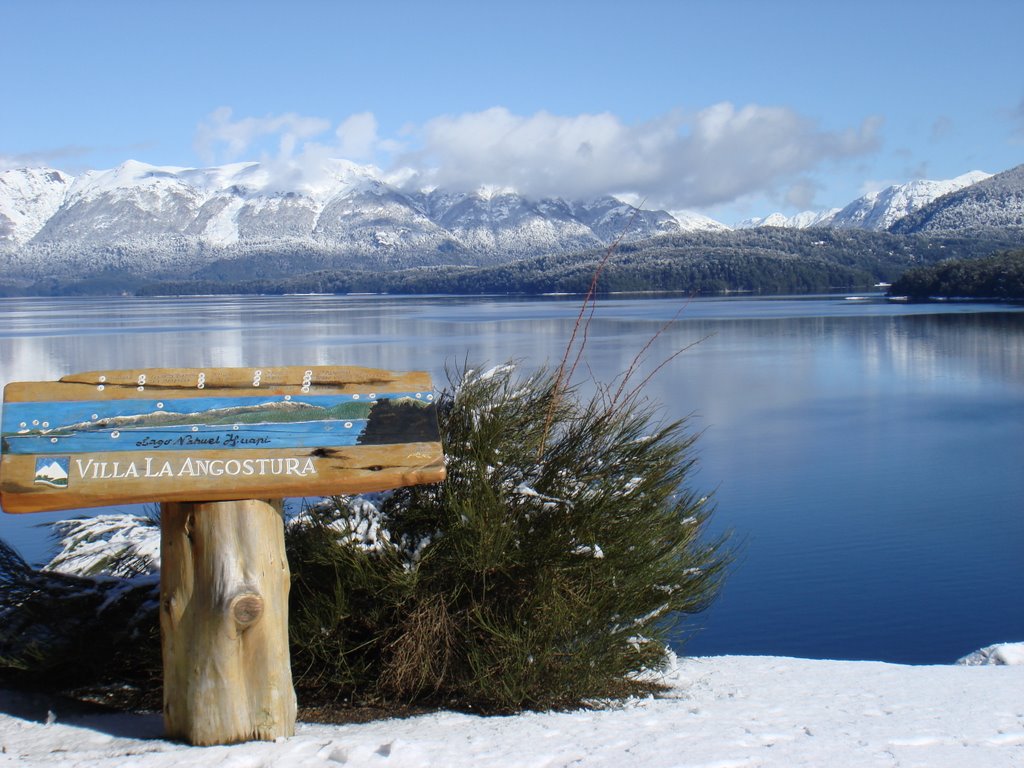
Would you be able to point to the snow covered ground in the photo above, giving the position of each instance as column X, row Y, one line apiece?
column 720, row 711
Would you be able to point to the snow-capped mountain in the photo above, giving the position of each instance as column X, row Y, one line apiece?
column 880, row 210
column 995, row 202
column 697, row 222
column 802, row 220
column 273, row 220
column 170, row 218
column 875, row 210
column 28, row 199
column 216, row 206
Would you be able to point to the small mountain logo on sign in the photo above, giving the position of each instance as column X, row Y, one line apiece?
column 52, row 471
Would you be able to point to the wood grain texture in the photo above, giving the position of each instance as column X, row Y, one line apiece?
column 207, row 475
column 212, row 382
column 224, row 584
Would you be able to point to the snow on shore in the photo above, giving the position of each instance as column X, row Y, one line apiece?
column 720, row 711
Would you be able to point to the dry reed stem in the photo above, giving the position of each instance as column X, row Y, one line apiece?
column 639, row 387
column 639, row 355
column 561, row 378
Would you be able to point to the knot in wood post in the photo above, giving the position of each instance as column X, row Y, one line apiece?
column 246, row 610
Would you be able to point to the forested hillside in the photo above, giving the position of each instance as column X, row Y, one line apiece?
column 996, row 277
column 764, row 260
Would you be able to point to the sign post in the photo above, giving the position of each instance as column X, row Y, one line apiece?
column 218, row 448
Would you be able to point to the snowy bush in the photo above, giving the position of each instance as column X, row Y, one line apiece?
column 89, row 618
column 119, row 545
column 548, row 569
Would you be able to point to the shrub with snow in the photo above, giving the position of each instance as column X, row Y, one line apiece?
column 549, row 568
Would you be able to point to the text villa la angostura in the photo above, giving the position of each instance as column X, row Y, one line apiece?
column 149, row 466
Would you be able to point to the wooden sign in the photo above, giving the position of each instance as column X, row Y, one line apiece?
column 171, row 435
column 212, row 446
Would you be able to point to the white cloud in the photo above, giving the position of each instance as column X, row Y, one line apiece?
column 70, row 158
column 801, row 193
column 677, row 160
column 357, row 137
column 716, row 155
column 220, row 138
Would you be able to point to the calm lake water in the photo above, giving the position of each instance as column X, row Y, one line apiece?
column 868, row 455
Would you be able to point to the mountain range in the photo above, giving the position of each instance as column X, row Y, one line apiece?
column 261, row 220
column 993, row 203
column 875, row 210
column 346, row 214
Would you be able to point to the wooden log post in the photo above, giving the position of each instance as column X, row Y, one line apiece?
column 224, row 622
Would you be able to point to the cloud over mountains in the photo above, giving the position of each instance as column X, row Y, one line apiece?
column 677, row 160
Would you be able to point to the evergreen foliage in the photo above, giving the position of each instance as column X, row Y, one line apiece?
column 997, row 277
column 762, row 260
column 542, row 572
column 59, row 630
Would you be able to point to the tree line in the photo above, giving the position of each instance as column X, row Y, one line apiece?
column 765, row 260
column 995, row 277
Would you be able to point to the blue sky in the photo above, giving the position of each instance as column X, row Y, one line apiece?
column 728, row 108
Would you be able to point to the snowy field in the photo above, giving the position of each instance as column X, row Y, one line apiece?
column 719, row 712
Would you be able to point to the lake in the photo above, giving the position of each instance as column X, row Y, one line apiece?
column 867, row 455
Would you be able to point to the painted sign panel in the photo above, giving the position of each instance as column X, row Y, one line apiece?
column 110, row 437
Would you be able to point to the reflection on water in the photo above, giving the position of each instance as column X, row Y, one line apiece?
column 867, row 454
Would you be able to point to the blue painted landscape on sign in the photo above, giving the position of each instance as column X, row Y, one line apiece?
column 213, row 423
